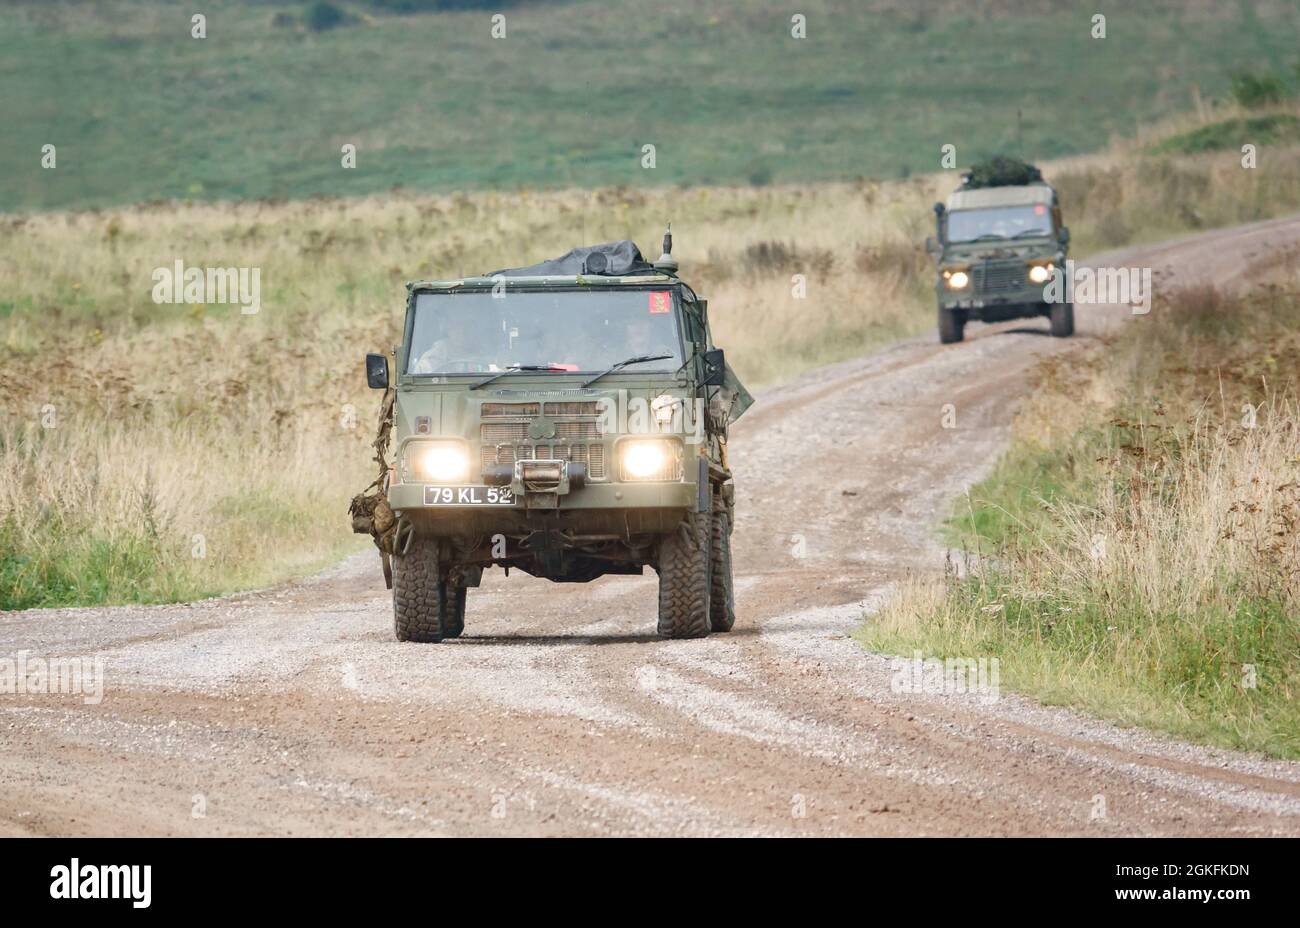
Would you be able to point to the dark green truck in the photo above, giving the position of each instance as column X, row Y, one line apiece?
column 568, row 420
column 996, row 247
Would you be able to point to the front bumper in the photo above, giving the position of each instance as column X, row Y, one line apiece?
column 975, row 302
column 404, row 497
column 607, row 510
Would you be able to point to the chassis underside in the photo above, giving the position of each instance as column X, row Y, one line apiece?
column 574, row 546
column 1001, row 312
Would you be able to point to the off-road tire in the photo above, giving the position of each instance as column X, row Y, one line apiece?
column 685, row 576
column 419, row 598
column 1062, row 318
column 454, row 624
column 722, row 599
column 952, row 326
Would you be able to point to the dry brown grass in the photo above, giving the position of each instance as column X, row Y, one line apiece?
column 172, row 422
column 252, row 431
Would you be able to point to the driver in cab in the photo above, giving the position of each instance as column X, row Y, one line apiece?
column 458, row 350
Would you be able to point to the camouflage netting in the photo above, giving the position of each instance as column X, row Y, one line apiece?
column 1002, row 171
column 370, row 512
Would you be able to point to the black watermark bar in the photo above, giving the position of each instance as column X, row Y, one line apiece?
column 137, row 877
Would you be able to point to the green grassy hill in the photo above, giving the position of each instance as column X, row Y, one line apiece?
column 138, row 109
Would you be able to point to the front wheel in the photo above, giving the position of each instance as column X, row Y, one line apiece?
column 685, row 578
column 423, row 604
column 1062, row 317
column 952, row 326
column 454, row 624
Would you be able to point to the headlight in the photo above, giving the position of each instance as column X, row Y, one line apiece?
column 650, row 460
column 437, row 462
column 1040, row 273
column 957, row 280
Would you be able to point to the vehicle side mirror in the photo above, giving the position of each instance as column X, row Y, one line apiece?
column 714, row 372
column 376, row 372
column 1065, row 235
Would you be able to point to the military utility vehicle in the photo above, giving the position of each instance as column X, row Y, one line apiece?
column 998, row 241
column 568, row 420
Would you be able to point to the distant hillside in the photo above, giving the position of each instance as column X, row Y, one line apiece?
column 138, row 109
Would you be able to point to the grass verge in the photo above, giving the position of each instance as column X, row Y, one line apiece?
column 1137, row 552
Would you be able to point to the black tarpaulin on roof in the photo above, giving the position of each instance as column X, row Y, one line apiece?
column 620, row 258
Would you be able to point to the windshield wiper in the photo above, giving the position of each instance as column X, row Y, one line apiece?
column 637, row 359
column 1032, row 232
column 514, row 369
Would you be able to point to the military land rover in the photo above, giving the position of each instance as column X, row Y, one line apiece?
column 998, row 241
column 568, row 420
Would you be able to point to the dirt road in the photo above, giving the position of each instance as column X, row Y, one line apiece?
column 294, row 711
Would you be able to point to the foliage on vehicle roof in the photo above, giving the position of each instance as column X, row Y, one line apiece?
column 1001, row 171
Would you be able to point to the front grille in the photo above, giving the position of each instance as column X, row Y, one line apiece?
column 496, row 432
column 571, row 409
column 992, row 276
column 505, row 439
column 577, row 431
column 591, row 455
column 497, row 410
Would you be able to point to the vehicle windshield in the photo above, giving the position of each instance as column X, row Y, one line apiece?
column 582, row 330
column 999, row 222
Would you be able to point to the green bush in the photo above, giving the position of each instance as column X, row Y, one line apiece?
column 1231, row 134
column 323, row 16
column 759, row 175
column 1253, row 90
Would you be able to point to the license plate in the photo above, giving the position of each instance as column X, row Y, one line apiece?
column 468, row 496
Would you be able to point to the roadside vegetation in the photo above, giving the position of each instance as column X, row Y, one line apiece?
column 136, row 436
column 1273, row 129
column 1137, row 552
column 1183, row 176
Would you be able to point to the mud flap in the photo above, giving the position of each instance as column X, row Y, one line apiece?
column 466, row 576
